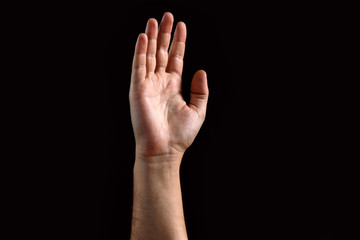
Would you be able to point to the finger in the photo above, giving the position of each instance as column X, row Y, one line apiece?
column 163, row 41
column 151, row 32
column 199, row 93
column 177, row 50
column 139, row 61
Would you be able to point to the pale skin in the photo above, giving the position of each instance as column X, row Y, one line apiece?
column 164, row 127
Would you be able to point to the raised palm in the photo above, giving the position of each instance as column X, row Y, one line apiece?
column 163, row 122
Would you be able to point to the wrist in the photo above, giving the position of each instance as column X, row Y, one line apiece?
column 164, row 164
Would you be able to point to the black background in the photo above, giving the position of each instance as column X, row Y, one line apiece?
column 267, row 162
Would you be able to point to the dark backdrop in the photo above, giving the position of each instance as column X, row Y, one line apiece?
column 265, row 164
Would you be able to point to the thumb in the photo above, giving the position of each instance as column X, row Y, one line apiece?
column 199, row 93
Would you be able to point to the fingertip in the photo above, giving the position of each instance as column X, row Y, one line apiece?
column 141, row 43
column 199, row 93
column 151, row 28
column 167, row 22
column 181, row 24
column 180, row 32
column 152, row 22
column 168, row 15
column 205, row 80
column 199, row 83
column 202, row 74
column 142, row 37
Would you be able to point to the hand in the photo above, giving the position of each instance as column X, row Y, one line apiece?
column 162, row 121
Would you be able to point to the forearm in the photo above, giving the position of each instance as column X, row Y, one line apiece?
column 157, row 204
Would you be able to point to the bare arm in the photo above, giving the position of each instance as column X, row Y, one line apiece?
column 164, row 127
column 157, row 208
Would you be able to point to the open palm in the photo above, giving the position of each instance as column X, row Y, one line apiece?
column 163, row 122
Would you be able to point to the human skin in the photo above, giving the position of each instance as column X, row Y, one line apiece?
column 164, row 127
